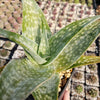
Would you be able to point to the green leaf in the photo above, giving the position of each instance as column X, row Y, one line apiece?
column 59, row 41
column 29, row 46
column 48, row 90
column 86, row 60
column 20, row 77
column 35, row 26
column 72, row 41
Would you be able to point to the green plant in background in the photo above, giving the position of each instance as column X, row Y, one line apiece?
column 79, row 89
column 76, row 1
column 83, row 2
column 92, row 66
column 47, row 55
column 92, row 79
column 92, row 92
column 78, row 75
column 7, row 44
column 3, row 52
column 90, row 3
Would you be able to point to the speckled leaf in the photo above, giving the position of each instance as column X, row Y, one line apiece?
column 21, row 77
column 77, row 44
column 60, row 40
column 48, row 90
column 35, row 26
column 86, row 60
column 27, row 44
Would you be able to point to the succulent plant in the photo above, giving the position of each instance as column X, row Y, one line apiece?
column 78, row 89
column 77, row 75
column 50, row 24
column 92, row 66
column 3, row 52
column 7, row 44
column 69, row 19
column 49, row 2
column 47, row 55
column 92, row 92
column 82, row 11
column 83, row 2
column 76, row 1
column 57, row 4
column 90, row 1
column 88, row 12
column 92, row 79
column 60, row 25
column 19, row 20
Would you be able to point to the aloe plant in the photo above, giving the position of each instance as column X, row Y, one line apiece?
column 47, row 54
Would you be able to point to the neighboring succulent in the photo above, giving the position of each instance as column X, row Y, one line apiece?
column 83, row 2
column 3, row 52
column 69, row 19
column 47, row 55
column 90, row 1
column 77, row 75
column 70, row 1
column 78, row 89
column 92, row 66
column 76, row 1
column 92, row 79
column 7, row 44
column 92, row 92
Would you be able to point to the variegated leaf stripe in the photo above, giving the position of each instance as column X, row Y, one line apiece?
column 26, row 43
column 60, row 40
column 77, row 46
column 20, row 77
column 35, row 27
column 48, row 90
column 86, row 60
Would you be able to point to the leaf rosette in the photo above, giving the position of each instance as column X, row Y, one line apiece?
column 47, row 54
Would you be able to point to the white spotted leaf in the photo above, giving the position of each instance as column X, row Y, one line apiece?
column 86, row 60
column 35, row 26
column 48, row 90
column 20, row 77
column 73, row 42
column 28, row 45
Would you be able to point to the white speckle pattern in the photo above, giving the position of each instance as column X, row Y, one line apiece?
column 35, row 26
column 78, row 44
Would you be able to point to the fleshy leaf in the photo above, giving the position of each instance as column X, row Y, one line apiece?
column 86, row 60
column 61, row 39
column 77, row 44
column 48, row 90
column 20, row 77
column 35, row 26
column 27, row 44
